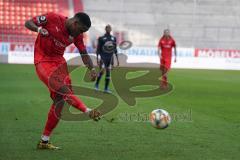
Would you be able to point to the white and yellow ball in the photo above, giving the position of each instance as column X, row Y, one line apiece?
column 160, row 118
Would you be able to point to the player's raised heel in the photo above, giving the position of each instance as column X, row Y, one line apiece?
column 48, row 145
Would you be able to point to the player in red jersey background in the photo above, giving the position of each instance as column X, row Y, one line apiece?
column 55, row 33
column 165, row 46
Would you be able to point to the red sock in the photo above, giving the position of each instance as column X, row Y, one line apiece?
column 164, row 80
column 55, row 113
column 53, row 119
column 75, row 102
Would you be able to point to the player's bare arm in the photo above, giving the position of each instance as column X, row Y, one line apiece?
column 117, row 58
column 159, row 51
column 116, row 52
column 29, row 24
column 175, row 53
column 88, row 62
column 98, row 62
column 98, row 50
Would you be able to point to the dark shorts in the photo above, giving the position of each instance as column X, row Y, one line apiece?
column 106, row 62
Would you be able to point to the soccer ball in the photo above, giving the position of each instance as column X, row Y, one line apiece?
column 160, row 118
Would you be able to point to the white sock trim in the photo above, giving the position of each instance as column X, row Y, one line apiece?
column 88, row 110
column 45, row 138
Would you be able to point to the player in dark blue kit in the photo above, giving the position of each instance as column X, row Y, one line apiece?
column 107, row 46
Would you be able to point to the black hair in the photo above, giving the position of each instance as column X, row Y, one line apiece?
column 108, row 26
column 83, row 18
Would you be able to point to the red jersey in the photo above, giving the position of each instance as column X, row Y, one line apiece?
column 52, row 47
column 166, row 46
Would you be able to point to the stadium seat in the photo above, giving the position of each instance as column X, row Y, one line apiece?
column 14, row 14
column 202, row 24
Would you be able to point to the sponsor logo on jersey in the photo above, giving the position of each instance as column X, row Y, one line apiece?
column 109, row 47
column 59, row 44
column 167, row 46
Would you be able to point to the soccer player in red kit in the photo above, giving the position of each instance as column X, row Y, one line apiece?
column 165, row 45
column 55, row 33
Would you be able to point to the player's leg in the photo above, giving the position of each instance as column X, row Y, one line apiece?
column 60, row 82
column 74, row 101
column 43, row 70
column 164, row 77
column 112, row 63
column 167, row 69
column 107, row 64
column 53, row 118
column 100, row 74
column 54, row 115
column 56, row 77
column 163, row 74
column 166, row 64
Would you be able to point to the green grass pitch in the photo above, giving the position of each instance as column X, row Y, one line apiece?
column 205, row 104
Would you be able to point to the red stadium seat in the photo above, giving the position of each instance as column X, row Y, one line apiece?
column 14, row 13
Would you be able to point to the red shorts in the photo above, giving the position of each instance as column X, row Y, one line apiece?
column 165, row 63
column 54, row 75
